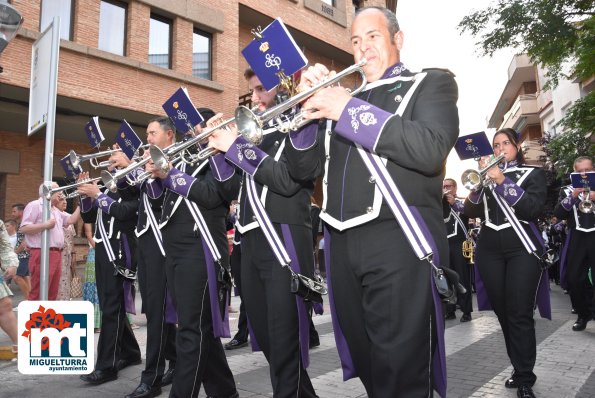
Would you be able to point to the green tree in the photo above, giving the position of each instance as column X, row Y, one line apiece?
column 553, row 33
column 559, row 35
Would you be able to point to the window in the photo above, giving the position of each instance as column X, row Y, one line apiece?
column 112, row 27
column 201, row 54
column 160, row 41
column 57, row 8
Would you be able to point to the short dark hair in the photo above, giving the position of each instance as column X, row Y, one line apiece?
column 515, row 139
column 582, row 158
column 19, row 206
column 206, row 114
column 11, row 221
column 249, row 73
column 391, row 19
column 165, row 123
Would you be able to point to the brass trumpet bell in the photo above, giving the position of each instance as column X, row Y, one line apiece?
column 474, row 180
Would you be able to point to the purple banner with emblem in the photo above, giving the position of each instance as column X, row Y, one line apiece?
column 583, row 180
column 69, row 169
column 127, row 139
column 274, row 51
column 94, row 132
column 473, row 146
column 182, row 112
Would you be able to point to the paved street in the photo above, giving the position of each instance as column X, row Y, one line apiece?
column 476, row 361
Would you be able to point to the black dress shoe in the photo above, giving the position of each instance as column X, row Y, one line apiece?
column 233, row 344
column 145, row 391
column 511, row 382
column 100, row 376
column 124, row 363
column 466, row 318
column 168, row 377
column 450, row 316
column 580, row 324
column 525, row 391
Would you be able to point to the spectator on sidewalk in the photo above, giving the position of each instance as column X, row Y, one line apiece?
column 33, row 226
column 68, row 256
column 8, row 266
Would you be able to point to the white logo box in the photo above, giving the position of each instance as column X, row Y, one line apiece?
column 43, row 325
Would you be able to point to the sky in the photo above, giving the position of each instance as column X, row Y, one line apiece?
column 433, row 40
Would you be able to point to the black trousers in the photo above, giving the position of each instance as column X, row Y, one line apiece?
column 200, row 356
column 116, row 340
column 385, row 308
column 160, row 335
column 235, row 261
column 581, row 258
column 272, row 309
column 511, row 277
column 463, row 268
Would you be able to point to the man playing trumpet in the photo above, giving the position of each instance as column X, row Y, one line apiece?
column 456, row 232
column 580, row 250
column 382, row 293
column 278, row 318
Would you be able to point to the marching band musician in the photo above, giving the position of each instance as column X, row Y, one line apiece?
column 192, row 193
column 273, row 311
column 384, row 309
column 161, row 331
column 456, row 232
column 579, row 251
column 114, row 215
column 511, row 275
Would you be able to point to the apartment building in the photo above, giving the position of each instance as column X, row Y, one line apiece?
column 527, row 107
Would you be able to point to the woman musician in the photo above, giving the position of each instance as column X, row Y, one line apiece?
column 511, row 273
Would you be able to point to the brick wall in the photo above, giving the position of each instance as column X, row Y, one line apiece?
column 23, row 188
column 129, row 82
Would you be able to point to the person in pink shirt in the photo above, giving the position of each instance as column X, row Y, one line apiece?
column 33, row 226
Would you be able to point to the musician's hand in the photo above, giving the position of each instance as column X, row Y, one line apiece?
column 159, row 173
column 327, row 103
column 576, row 192
column 221, row 139
column 82, row 176
column 495, row 174
column 450, row 198
column 118, row 160
column 91, row 190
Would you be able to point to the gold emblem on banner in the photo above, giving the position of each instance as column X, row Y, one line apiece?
column 264, row 47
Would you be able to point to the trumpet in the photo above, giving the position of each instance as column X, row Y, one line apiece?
column 177, row 152
column 110, row 180
column 48, row 191
column 474, row 180
column 468, row 250
column 251, row 125
column 76, row 160
column 586, row 205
